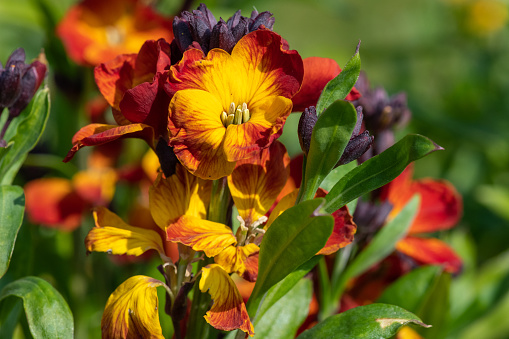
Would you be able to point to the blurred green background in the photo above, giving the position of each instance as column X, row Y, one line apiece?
column 451, row 57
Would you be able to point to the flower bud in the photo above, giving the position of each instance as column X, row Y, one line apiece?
column 30, row 82
column 305, row 130
column 356, row 147
column 167, row 158
column 222, row 37
column 10, row 78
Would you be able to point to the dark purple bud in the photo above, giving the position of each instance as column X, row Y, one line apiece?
column 201, row 30
column 305, row 130
column 208, row 14
column 10, row 80
column 28, row 88
column 358, row 124
column 356, row 147
column 241, row 29
column 18, row 56
column 167, row 158
column 182, row 32
column 384, row 140
column 263, row 18
column 222, row 37
column 254, row 14
column 234, row 20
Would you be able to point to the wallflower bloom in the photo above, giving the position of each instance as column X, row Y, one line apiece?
column 440, row 209
column 96, row 31
column 229, row 107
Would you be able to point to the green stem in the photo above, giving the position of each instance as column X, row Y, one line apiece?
column 325, row 286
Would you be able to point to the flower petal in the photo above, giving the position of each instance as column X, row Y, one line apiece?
column 430, row 251
column 228, row 311
column 131, row 310
column 98, row 134
column 181, row 194
column 233, row 259
column 256, row 182
column 112, row 235
column 53, row 202
column 285, row 203
column 96, row 185
column 406, row 332
column 202, row 235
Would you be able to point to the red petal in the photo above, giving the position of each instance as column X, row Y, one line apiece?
column 430, row 251
column 115, row 77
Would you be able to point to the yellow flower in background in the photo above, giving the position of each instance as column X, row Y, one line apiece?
column 487, row 16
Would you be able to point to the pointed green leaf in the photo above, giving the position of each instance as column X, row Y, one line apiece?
column 283, row 319
column 47, row 313
column 435, row 309
column 27, row 135
column 12, row 207
column 292, row 239
column 339, row 87
column 378, row 170
column 372, row 321
column 328, row 141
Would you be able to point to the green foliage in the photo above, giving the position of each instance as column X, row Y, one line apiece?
column 12, row 207
column 47, row 312
column 292, row 239
column 328, row 141
column 378, row 170
column 371, row 321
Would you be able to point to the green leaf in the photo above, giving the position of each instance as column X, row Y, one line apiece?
column 336, row 174
column 410, row 291
column 283, row 319
column 328, row 141
column 27, row 135
column 339, row 87
column 435, row 309
column 292, row 239
column 371, row 321
column 379, row 170
column 12, row 207
column 280, row 289
column 47, row 312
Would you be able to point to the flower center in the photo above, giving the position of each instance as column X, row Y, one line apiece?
column 236, row 115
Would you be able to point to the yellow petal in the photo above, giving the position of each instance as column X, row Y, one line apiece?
column 202, row 235
column 112, row 235
column 131, row 310
column 228, row 311
column 180, row 194
column 233, row 258
column 283, row 204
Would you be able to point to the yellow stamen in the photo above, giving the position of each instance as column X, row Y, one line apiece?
column 236, row 115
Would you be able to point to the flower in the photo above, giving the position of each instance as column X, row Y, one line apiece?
column 440, row 209
column 229, row 107
column 95, row 31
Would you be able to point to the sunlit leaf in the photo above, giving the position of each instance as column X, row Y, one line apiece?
column 12, row 207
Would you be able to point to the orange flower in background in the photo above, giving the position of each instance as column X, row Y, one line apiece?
column 96, row 31
column 440, row 209
column 226, row 108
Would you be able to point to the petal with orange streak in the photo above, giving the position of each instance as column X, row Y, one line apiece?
column 430, row 251
column 398, row 191
column 202, row 235
column 132, row 310
column 98, row 134
column 115, row 77
column 228, row 311
column 197, row 134
column 112, row 235
column 233, row 259
column 181, row 194
column 283, row 204
column 53, row 203
column 256, row 182
column 96, row 185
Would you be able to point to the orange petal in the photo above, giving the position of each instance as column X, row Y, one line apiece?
column 256, row 182
column 430, row 251
column 343, row 232
column 228, row 311
column 131, row 310
column 98, row 134
column 54, row 203
column 112, row 235
column 202, row 235
column 284, row 204
column 406, row 332
column 96, row 185
column 181, row 194
column 233, row 259
column 114, row 78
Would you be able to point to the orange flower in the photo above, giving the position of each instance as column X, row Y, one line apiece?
column 226, row 108
column 440, row 209
column 96, row 31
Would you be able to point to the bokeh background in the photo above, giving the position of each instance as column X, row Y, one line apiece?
column 451, row 57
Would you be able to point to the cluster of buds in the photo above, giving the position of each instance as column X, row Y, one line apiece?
column 358, row 144
column 18, row 84
column 200, row 29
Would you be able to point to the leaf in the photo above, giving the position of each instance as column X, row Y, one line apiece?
column 339, row 87
column 436, row 308
column 27, row 135
column 336, row 174
column 12, row 207
column 280, row 289
column 378, row 170
column 328, row 141
column 291, row 240
column 410, row 291
column 283, row 319
column 371, row 321
column 47, row 313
